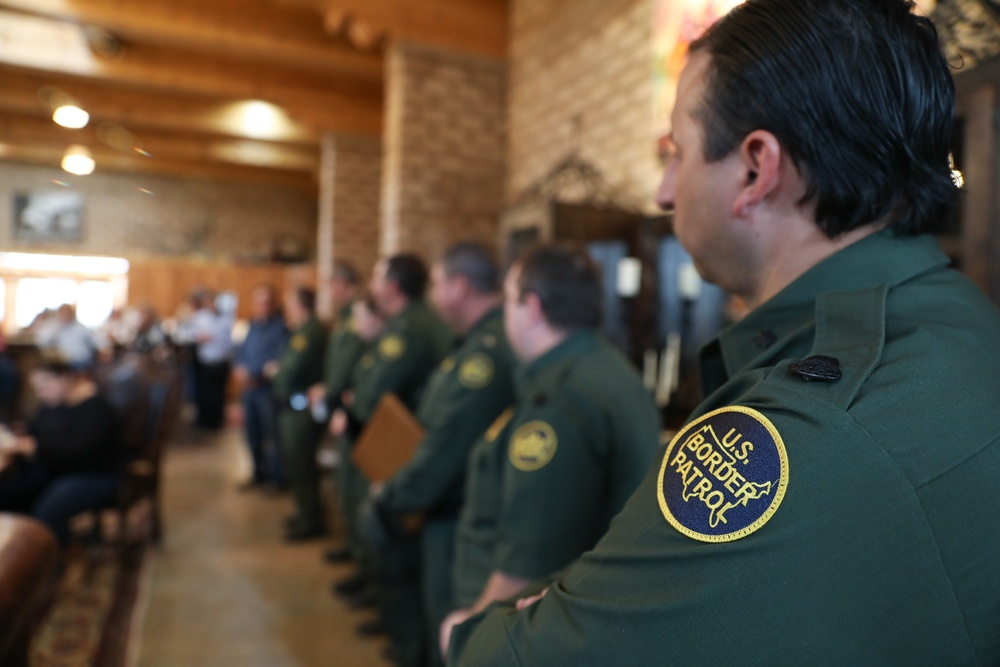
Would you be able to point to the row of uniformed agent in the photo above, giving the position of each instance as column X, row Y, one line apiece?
column 831, row 500
column 536, row 431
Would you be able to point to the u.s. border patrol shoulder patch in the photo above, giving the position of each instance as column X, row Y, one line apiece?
column 391, row 347
column 723, row 476
column 299, row 342
column 476, row 371
column 532, row 446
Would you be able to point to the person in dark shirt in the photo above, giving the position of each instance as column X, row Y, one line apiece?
column 67, row 462
column 256, row 365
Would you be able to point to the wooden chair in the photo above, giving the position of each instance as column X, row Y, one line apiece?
column 147, row 396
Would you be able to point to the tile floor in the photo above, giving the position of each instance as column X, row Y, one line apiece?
column 225, row 591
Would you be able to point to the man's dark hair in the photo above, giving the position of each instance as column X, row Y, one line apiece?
column 345, row 271
column 567, row 282
column 857, row 92
column 306, row 297
column 409, row 272
column 476, row 263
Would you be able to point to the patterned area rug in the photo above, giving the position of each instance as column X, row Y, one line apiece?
column 91, row 621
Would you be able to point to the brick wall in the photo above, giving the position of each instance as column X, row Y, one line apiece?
column 350, row 189
column 180, row 218
column 444, row 139
column 586, row 64
column 357, row 189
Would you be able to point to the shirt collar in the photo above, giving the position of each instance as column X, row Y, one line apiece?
column 486, row 320
column 879, row 259
column 576, row 343
column 399, row 318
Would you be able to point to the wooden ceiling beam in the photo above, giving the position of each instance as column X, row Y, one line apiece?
column 156, row 146
column 293, row 37
column 26, row 92
column 314, row 100
column 469, row 26
column 113, row 162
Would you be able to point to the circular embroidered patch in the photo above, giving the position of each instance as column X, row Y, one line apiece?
column 723, row 476
column 391, row 347
column 448, row 365
column 298, row 342
column 532, row 446
column 476, row 371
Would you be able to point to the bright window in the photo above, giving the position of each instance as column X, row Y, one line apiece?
column 94, row 304
column 36, row 294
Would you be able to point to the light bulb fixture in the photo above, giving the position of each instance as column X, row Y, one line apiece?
column 78, row 160
column 70, row 116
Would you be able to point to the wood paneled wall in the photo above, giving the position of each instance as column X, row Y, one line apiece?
column 166, row 284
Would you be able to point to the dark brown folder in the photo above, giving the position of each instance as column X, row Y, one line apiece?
column 388, row 440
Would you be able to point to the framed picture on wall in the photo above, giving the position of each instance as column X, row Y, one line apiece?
column 48, row 216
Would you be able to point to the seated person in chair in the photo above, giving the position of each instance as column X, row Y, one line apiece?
column 67, row 462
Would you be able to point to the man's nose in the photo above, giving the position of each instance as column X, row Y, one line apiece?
column 665, row 193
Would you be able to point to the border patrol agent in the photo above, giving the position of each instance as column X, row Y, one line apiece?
column 414, row 342
column 300, row 367
column 470, row 389
column 825, row 505
column 549, row 476
column 343, row 351
column 366, row 326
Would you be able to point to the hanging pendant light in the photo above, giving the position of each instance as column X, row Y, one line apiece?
column 78, row 160
column 71, row 116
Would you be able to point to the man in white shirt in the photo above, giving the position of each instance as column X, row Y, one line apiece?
column 212, row 334
column 66, row 337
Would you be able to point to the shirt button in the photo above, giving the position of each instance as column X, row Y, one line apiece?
column 765, row 339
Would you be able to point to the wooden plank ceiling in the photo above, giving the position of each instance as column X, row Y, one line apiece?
column 238, row 90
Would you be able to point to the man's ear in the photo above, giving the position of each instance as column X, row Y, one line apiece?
column 760, row 156
column 534, row 307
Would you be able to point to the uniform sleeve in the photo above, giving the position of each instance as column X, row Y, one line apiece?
column 438, row 465
column 553, row 494
column 342, row 354
column 842, row 549
column 301, row 368
column 397, row 370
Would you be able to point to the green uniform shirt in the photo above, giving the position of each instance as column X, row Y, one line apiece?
column 861, row 527
column 301, row 364
column 543, row 487
column 413, row 344
column 471, row 387
column 343, row 350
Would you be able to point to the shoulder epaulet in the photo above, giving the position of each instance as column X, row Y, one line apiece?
column 850, row 337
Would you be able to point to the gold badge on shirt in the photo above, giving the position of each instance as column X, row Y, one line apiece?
column 532, row 446
column 391, row 347
column 476, row 371
column 299, row 342
column 723, row 476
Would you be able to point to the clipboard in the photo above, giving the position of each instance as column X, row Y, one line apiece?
column 388, row 440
